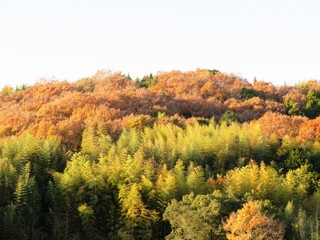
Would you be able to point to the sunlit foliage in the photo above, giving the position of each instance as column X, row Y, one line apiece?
column 176, row 155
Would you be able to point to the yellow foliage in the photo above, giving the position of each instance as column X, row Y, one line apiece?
column 250, row 223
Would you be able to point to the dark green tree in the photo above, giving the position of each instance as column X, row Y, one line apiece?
column 293, row 108
column 248, row 93
column 229, row 117
column 147, row 81
column 194, row 217
column 312, row 108
column 213, row 71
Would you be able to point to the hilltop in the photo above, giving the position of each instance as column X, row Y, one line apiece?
column 114, row 102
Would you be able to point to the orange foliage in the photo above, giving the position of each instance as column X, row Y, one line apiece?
column 112, row 99
column 265, row 90
column 223, row 86
column 177, row 82
column 296, row 95
column 63, row 106
column 106, row 81
column 44, row 128
column 310, row 130
column 200, row 82
column 274, row 106
column 250, row 223
column 253, row 108
column 281, row 125
column 189, row 106
column 69, row 132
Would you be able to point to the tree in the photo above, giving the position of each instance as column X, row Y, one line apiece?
column 312, row 109
column 229, row 117
column 294, row 101
column 83, row 202
column 137, row 220
column 281, row 125
column 140, row 122
column 248, row 93
column 147, row 81
column 195, row 179
column 7, row 90
column 213, row 71
column 195, row 217
column 255, row 182
column 180, row 174
column 293, row 108
column 250, row 223
column 310, row 130
column 265, row 90
column 90, row 142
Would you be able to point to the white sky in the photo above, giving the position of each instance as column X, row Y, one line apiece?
column 275, row 40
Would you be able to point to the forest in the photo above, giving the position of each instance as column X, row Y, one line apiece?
column 195, row 155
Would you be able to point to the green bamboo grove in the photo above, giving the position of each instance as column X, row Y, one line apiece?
column 160, row 182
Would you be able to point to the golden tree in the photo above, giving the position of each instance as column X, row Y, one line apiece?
column 250, row 223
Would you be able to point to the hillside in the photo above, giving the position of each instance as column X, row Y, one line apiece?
column 176, row 155
column 115, row 102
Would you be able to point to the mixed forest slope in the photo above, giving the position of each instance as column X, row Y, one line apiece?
column 178, row 155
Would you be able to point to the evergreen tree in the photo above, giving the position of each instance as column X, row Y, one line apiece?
column 194, row 217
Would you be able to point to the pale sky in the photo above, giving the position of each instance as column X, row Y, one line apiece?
column 277, row 41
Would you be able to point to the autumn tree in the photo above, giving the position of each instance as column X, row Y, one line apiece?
column 251, row 223
column 310, row 130
column 281, row 125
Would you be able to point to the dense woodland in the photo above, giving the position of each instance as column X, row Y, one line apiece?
column 176, row 155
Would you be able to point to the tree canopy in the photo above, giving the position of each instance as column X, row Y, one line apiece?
column 174, row 155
